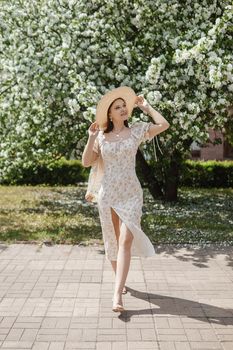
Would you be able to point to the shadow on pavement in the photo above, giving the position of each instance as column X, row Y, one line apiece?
column 198, row 254
column 167, row 305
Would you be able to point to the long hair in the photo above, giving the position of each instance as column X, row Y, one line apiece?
column 109, row 122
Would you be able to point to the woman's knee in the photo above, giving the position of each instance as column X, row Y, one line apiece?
column 126, row 237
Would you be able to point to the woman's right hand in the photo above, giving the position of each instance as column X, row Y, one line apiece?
column 93, row 130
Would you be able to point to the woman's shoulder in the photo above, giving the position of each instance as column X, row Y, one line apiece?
column 135, row 124
column 140, row 130
column 100, row 135
column 138, row 124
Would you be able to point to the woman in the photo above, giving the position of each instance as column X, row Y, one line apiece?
column 111, row 152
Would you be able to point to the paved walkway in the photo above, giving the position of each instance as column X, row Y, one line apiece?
column 59, row 297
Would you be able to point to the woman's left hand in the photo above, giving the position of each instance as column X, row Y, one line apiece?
column 142, row 103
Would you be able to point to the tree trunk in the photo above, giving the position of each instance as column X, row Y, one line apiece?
column 168, row 190
column 148, row 176
column 172, row 178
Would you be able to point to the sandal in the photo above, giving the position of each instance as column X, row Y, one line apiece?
column 118, row 308
column 124, row 291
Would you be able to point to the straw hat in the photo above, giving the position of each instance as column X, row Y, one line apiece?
column 124, row 92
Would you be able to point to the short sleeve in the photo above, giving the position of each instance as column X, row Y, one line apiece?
column 140, row 131
column 96, row 146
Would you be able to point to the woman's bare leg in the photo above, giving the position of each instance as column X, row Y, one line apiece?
column 116, row 223
column 123, row 262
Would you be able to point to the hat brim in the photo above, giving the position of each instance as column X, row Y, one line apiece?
column 124, row 92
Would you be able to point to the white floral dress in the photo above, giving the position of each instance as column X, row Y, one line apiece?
column 119, row 188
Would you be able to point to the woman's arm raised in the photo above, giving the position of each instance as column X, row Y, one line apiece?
column 90, row 151
column 161, row 124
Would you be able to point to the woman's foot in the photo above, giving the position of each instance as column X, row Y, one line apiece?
column 118, row 308
column 117, row 304
column 124, row 291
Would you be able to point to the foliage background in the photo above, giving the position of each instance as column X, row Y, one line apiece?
column 58, row 57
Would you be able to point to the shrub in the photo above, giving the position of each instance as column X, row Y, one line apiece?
column 67, row 172
column 60, row 172
column 210, row 173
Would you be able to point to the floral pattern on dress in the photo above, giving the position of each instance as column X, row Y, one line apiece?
column 116, row 186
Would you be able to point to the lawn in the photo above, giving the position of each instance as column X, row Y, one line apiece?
column 61, row 215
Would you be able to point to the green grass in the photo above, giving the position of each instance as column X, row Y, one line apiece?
column 51, row 214
column 199, row 216
column 61, row 215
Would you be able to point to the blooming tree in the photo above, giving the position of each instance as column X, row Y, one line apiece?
column 58, row 57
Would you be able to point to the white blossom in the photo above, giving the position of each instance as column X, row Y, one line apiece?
column 57, row 65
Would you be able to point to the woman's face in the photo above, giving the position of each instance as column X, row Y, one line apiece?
column 118, row 110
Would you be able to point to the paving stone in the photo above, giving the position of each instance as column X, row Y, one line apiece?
column 60, row 298
column 40, row 345
column 227, row 345
column 205, row 345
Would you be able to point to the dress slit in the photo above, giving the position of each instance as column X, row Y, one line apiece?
column 122, row 221
column 139, row 245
